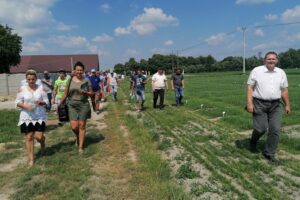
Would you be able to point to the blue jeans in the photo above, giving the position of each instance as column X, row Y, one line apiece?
column 140, row 95
column 178, row 94
column 49, row 95
column 113, row 91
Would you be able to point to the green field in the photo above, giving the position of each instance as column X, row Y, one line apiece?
column 220, row 92
column 187, row 152
column 219, row 146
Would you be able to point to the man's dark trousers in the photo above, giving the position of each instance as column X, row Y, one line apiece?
column 267, row 117
column 161, row 94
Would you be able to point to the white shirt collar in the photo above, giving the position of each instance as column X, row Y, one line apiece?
column 267, row 70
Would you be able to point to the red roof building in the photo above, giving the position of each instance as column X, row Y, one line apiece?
column 52, row 63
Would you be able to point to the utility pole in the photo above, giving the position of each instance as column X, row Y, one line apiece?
column 177, row 59
column 172, row 61
column 244, row 45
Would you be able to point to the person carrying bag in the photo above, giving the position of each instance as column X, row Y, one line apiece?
column 62, row 110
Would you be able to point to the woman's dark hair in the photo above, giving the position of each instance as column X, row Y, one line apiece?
column 78, row 63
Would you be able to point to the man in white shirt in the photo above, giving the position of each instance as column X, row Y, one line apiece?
column 159, row 84
column 266, row 85
column 113, row 84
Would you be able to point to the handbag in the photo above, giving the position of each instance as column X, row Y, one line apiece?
column 63, row 110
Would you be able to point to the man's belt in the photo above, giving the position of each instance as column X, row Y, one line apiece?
column 267, row 101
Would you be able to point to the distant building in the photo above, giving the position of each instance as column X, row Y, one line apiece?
column 52, row 63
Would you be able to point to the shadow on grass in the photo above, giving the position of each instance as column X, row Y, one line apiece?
column 51, row 127
column 92, row 139
column 70, row 145
column 245, row 144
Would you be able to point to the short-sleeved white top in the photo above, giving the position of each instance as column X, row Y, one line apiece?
column 267, row 84
column 27, row 96
column 159, row 81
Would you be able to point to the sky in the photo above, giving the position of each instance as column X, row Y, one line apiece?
column 117, row 30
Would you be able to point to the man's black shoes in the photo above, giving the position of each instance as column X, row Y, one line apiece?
column 252, row 147
column 271, row 159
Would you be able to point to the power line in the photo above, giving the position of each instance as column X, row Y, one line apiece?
column 280, row 24
column 236, row 30
column 204, row 42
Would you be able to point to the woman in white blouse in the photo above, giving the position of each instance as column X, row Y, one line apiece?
column 32, row 99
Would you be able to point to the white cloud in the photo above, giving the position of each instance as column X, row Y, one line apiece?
column 63, row 27
column 215, row 39
column 26, row 15
column 33, row 47
column 147, row 22
column 69, row 41
column 30, row 17
column 291, row 15
column 159, row 51
column 259, row 32
column 103, row 53
column 252, row 2
column 271, row 17
column 102, row 38
column 260, row 47
column 105, row 8
column 169, row 42
column 266, row 46
column 121, row 31
column 92, row 48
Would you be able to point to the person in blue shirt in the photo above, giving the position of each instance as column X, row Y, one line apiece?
column 139, row 81
column 95, row 80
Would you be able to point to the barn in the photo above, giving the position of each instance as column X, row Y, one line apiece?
column 52, row 63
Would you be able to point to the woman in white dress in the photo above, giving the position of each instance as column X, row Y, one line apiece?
column 32, row 100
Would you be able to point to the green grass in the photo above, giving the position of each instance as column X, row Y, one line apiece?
column 206, row 141
column 9, row 131
column 156, row 172
column 186, row 172
column 60, row 175
column 217, row 145
column 219, row 92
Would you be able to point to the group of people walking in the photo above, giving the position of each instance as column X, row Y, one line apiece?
column 266, row 86
column 159, row 86
column 34, row 100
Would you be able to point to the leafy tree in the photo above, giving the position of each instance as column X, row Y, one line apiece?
column 231, row 63
column 144, row 64
column 120, row 69
column 131, row 64
column 10, row 49
column 290, row 58
column 253, row 62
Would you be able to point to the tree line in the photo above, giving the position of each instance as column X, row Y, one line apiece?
column 288, row 59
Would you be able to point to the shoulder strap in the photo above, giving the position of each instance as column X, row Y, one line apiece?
column 68, row 87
